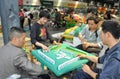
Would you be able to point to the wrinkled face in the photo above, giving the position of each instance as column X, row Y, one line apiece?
column 92, row 24
column 21, row 40
column 43, row 20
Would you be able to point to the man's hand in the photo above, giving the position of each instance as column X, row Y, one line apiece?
column 81, row 56
column 45, row 48
column 86, row 68
column 54, row 42
column 86, row 45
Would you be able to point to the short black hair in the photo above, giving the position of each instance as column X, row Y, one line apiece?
column 45, row 14
column 113, row 27
column 15, row 31
column 94, row 19
column 56, row 9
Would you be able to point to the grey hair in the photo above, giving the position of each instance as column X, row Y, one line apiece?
column 15, row 32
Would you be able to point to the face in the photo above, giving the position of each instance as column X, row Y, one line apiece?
column 21, row 40
column 103, row 37
column 92, row 24
column 43, row 20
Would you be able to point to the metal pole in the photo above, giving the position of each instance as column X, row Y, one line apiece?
column 119, row 8
column 9, row 16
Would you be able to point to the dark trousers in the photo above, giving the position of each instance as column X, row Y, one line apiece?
column 29, row 23
column 83, row 75
column 42, row 76
column 90, row 49
column 22, row 21
column 80, row 47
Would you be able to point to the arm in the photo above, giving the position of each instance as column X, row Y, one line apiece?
column 87, row 69
column 21, row 62
column 51, row 38
column 81, row 38
column 91, row 44
column 44, row 47
column 49, row 35
column 91, row 58
column 81, row 33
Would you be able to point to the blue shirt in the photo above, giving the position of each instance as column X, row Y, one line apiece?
column 92, row 37
column 111, row 63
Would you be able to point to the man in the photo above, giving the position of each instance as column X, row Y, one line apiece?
column 90, row 36
column 13, row 59
column 110, row 35
column 40, row 33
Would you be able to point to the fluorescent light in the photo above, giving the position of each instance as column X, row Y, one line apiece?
column 59, row 2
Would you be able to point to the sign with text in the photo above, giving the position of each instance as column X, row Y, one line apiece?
column 47, row 3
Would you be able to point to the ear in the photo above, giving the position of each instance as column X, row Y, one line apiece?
column 108, row 35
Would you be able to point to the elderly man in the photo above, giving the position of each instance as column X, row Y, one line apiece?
column 13, row 59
